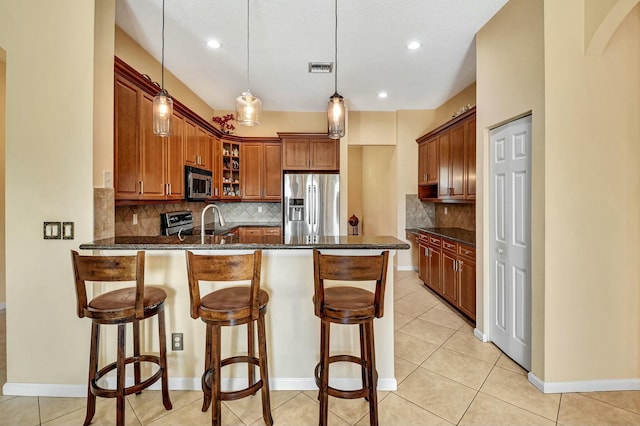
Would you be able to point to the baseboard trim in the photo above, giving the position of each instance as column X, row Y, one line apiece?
column 187, row 383
column 584, row 385
column 480, row 335
column 407, row 268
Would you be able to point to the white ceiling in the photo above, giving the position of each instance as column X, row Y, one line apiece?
column 285, row 35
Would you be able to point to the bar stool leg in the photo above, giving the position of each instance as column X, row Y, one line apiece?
column 363, row 355
column 264, row 373
column 372, row 373
column 207, row 366
column 251, row 352
column 166, row 401
column 216, row 409
column 120, row 365
column 93, row 369
column 136, row 353
column 324, row 372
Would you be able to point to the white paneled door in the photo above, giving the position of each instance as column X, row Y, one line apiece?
column 510, row 244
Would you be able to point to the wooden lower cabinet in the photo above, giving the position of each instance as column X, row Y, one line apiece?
column 449, row 269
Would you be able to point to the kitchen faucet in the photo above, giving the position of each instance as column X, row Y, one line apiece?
column 220, row 218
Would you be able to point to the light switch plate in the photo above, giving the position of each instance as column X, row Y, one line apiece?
column 51, row 231
column 67, row 230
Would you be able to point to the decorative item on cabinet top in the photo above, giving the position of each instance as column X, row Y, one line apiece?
column 224, row 122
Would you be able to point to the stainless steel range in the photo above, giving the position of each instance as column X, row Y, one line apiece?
column 176, row 223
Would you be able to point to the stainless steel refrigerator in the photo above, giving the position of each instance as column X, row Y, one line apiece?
column 311, row 205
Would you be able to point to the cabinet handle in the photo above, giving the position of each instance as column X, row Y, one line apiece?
column 141, row 187
column 169, row 188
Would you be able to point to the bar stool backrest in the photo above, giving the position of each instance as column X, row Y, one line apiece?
column 108, row 269
column 350, row 268
column 244, row 267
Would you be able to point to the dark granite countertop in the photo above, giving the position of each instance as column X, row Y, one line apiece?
column 250, row 242
column 456, row 234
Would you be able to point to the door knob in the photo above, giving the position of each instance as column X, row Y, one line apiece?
column 500, row 251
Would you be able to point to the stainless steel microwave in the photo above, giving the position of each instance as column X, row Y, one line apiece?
column 197, row 183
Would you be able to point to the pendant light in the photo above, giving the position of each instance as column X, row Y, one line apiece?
column 162, row 102
column 335, row 108
column 248, row 106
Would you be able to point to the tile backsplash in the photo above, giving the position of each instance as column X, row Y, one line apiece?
column 148, row 216
column 419, row 214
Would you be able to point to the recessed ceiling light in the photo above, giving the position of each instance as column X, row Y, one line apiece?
column 214, row 44
column 414, row 45
column 382, row 95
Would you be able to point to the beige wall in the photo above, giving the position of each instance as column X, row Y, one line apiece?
column 510, row 67
column 465, row 97
column 49, row 176
column 3, row 89
column 372, row 128
column 592, row 309
column 585, row 183
column 354, row 187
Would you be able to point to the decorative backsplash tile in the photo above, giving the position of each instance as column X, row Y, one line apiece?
column 104, row 213
column 457, row 216
column 419, row 214
column 148, row 216
column 429, row 215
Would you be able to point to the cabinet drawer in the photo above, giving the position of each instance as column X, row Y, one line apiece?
column 272, row 231
column 435, row 241
column 250, row 231
column 467, row 251
column 449, row 245
column 423, row 238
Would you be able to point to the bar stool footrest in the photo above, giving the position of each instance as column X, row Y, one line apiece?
column 136, row 388
column 233, row 395
column 339, row 393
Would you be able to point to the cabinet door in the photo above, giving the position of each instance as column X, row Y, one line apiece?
column 204, row 149
column 470, row 160
column 190, row 144
column 423, row 264
column 449, row 281
column 216, row 166
column 422, row 163
column 152, row 159
column 295, row 154
column 432, row 161
column 456, row 161
column 252, row 171
column 444, row 152
column 272, row 189
column 324, row 154
column 467, row 284
column 175, row 159
column 126, row 146
column 435, row 269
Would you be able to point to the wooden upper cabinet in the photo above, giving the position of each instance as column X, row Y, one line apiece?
column 126, row 142
column 446, row 160
column 216, row 165
column 262, row 171
column 197, row 151
column 175, row 159
column 152, row 165
column 302, row 151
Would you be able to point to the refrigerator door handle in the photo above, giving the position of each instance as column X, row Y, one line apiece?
column 308, row 206
column 315, row 205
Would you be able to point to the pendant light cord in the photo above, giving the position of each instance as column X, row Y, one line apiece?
column 336, row 47
column 248, row 78
column 162, row 88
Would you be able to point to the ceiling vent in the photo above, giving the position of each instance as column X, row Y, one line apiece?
column 320, row 67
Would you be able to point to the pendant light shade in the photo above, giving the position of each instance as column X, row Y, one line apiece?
column 162, row 102
column 335, row 116
column 336, row 110
column 248, row 107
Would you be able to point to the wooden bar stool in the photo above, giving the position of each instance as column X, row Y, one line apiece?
column 230, row 306
column 349, row 305
column 120, row 307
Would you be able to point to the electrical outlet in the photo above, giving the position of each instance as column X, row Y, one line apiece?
column 259, row 209
column 135, row 218
column 176, row 342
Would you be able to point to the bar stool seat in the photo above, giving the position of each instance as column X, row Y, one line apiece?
column 230, row 306
column 120, row 307
column 348, row 305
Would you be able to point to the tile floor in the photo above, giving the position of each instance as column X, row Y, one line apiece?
column 445, row 376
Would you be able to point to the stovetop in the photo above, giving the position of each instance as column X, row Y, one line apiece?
column 172, row 223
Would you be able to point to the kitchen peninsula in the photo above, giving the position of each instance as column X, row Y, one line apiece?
column 293, row 331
